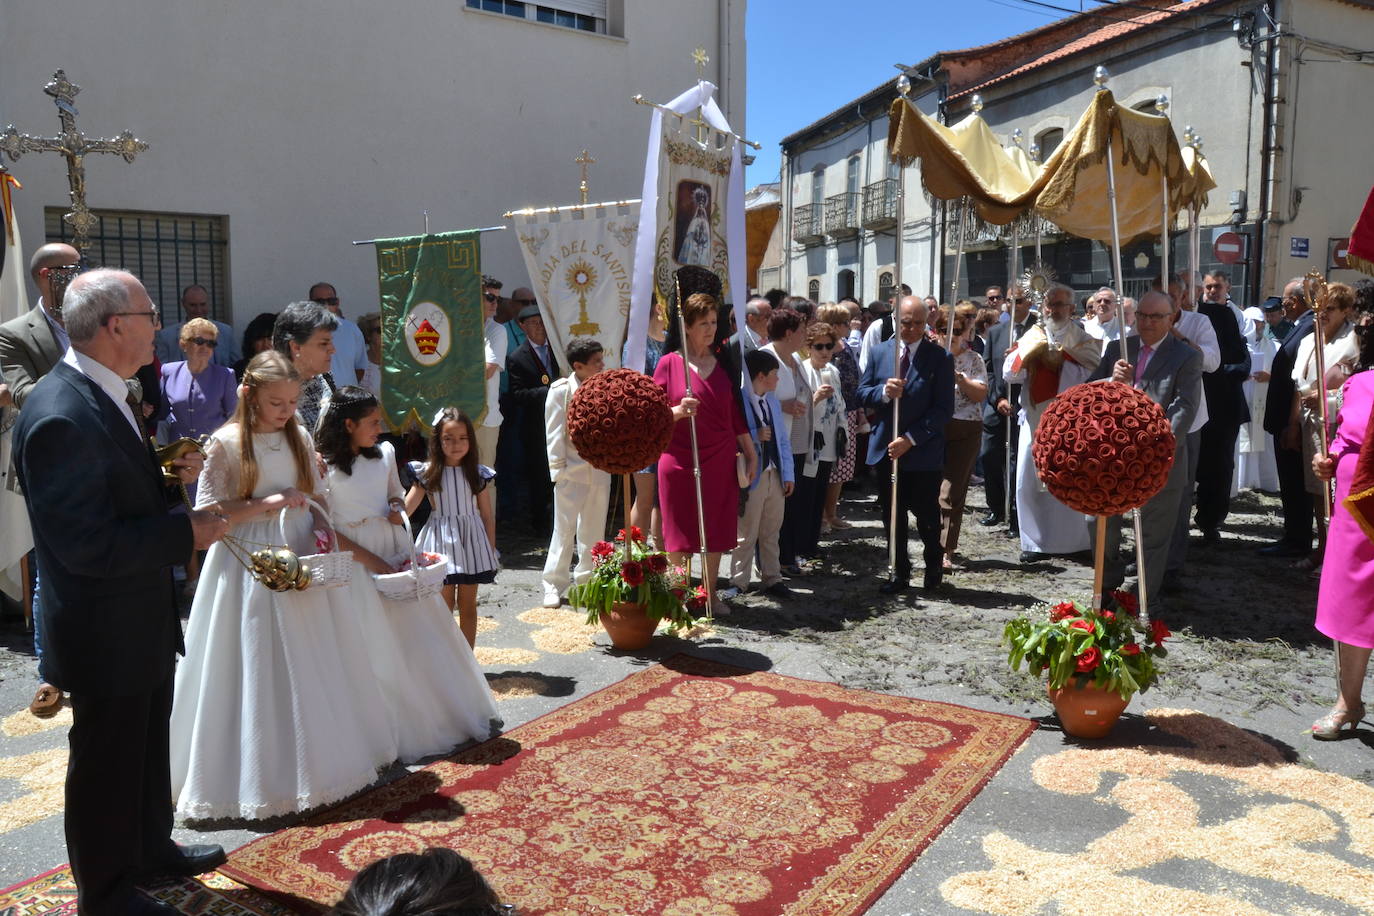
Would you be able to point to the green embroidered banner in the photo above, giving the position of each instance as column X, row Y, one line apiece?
column 432, row 341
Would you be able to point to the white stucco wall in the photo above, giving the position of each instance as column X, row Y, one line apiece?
column 317, row 122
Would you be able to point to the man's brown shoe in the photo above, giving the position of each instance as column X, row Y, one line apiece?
column 47, row 702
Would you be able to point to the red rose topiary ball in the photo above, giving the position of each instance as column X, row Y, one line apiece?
column 1104, row 448
column 619, row 421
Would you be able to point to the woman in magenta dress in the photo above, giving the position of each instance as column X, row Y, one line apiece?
column 1345, row 603
column 721, row 434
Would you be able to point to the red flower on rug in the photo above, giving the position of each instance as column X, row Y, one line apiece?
column 1103, row 448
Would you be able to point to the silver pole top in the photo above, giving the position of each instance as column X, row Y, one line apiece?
column 1016, row 136
column 1162, row 105
column 1100, row 77
column 977, row 103
column 903, row 85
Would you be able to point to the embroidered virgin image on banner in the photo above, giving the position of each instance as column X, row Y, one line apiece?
column 693, row 187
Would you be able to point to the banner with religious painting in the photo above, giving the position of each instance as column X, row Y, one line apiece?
column 694, row 178
column 580, row 263
column 431, row 304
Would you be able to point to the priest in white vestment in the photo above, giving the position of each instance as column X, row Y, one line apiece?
column 1049, row 358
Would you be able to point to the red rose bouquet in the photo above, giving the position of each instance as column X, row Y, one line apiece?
column 628, row 571
column 1110, row 647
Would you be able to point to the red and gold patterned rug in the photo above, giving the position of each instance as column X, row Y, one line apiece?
column 54, row 894
column 689, row 788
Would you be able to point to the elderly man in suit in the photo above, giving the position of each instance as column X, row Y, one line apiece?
column 919, row 376
column 195, row 303
column 1168, row 370
column 999, row 413
column 532, row 368
column 112, row 631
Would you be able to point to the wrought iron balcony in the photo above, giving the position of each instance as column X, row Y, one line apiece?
column 880, row 204
column 807, row 227
column 842, row 215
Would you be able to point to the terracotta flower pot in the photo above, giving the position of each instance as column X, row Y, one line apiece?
column 629, row 626
column 1089, row 711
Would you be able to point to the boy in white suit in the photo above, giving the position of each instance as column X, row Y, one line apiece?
column 580, row 491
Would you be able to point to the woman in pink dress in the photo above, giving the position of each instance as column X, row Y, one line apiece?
column 721, row 434
column 1345, row 603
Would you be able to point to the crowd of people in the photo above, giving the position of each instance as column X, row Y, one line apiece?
column 916, row 399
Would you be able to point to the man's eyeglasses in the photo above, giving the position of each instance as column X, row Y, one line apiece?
column 996, row 298
column 1151, row 316
column 490, row 297
column 518, row 301
column 821, row 346
column 150, row 314
column 330, row 300
column 203, row 341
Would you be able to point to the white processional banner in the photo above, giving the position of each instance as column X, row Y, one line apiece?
column 693, row 208
column 16, row 538
column 581, row 263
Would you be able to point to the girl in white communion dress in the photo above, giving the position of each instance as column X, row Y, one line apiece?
column 276, row 710
column 436, row 692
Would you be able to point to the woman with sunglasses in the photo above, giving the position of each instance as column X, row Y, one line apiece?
column 964, row 430
column 828, row 422
column 200, row 397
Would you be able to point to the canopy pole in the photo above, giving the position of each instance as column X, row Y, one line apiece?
column 893, row 507
column 954, row 284
column 1194, row 251
column 1121, row 336
column 903, row 87
column 1314, row 290
column 1164, row 235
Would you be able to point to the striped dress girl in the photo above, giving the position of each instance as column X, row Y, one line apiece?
column 455, row 528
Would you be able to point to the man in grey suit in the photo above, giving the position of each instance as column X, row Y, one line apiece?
column 1170, row 372
column 30, row 346
column 33, row 343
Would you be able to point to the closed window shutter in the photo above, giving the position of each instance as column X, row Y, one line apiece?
column 594, row 8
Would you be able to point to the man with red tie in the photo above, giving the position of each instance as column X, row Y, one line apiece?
column 919, row 375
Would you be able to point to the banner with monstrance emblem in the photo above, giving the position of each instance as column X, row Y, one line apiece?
column 692, row 210
column 580, row 262
column 432, row 356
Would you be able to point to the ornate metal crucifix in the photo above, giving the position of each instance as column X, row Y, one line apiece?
column 73, row 145
column 699, row 56
column 584, row 160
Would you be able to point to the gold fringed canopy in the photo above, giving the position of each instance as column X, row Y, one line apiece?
column 963, row 161
column 1070, row 189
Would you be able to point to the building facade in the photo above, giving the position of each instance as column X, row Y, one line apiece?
column 281, row 133
column 1271, row 87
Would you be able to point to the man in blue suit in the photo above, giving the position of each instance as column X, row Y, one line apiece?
column 919, row 376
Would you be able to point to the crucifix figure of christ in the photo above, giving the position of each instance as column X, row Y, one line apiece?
column 74, row 146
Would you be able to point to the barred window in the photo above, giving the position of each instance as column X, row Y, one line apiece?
column 167, row 251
